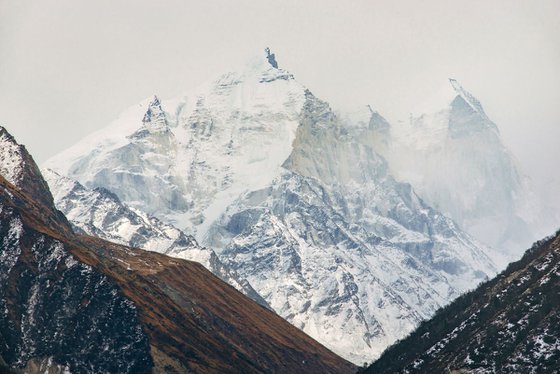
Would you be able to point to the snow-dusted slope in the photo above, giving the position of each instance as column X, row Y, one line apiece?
column 11, row 159
column 19, row 169
column 99, row 212
column 56, row 313
column 507, row 325
column 294, row 199
column 455, row 159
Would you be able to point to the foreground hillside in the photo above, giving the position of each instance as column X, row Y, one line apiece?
column 507, row 325
column 77, row 303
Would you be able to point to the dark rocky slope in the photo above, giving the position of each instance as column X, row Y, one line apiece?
column 510, row 324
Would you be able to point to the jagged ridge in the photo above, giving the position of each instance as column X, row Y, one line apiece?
column 100, row 213
column 455, row 159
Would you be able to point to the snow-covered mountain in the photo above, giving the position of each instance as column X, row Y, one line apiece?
column 294, row 199
column 100, row 213
column 188, row 164
column 454, row 157
column 342, row 250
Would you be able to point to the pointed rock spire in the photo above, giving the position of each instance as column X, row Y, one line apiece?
column 155, row 112
column 154, row 123
column 378, row 122
column 18, row 167
column 271, row 57
column 11, row 158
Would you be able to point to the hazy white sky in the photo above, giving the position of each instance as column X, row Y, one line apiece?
column 69, row 67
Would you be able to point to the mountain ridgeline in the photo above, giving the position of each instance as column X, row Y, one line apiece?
column 164, row 225
column 70, row 302
column 507, row 325
column 293, row 200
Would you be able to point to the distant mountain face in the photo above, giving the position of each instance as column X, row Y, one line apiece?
column 100, row 213
column 291, row 197
column 456, row 161
column 507, row 325
column 75, row 303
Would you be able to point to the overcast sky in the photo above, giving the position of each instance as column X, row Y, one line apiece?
column 69, row 67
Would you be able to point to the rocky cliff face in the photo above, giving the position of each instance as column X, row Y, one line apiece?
column 54, row 307
column 507, row 325
column 71, row 302
column 294, row 199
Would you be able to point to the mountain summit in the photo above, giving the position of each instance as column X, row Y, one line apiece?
column 155, row 112
column 292, row 199
column 271, row 57
column 467, row 98
column 18, row 168
column 230, row 136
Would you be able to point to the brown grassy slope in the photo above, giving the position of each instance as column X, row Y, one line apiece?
column 194, row 318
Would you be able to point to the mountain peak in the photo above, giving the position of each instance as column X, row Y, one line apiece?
column 456, row 86
column 18, row 168
column 155, row 112
column 11, row 158
column 467, row 97
column 155, row 102
column 264, row 68
column 271, row 57
column 16, row 164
